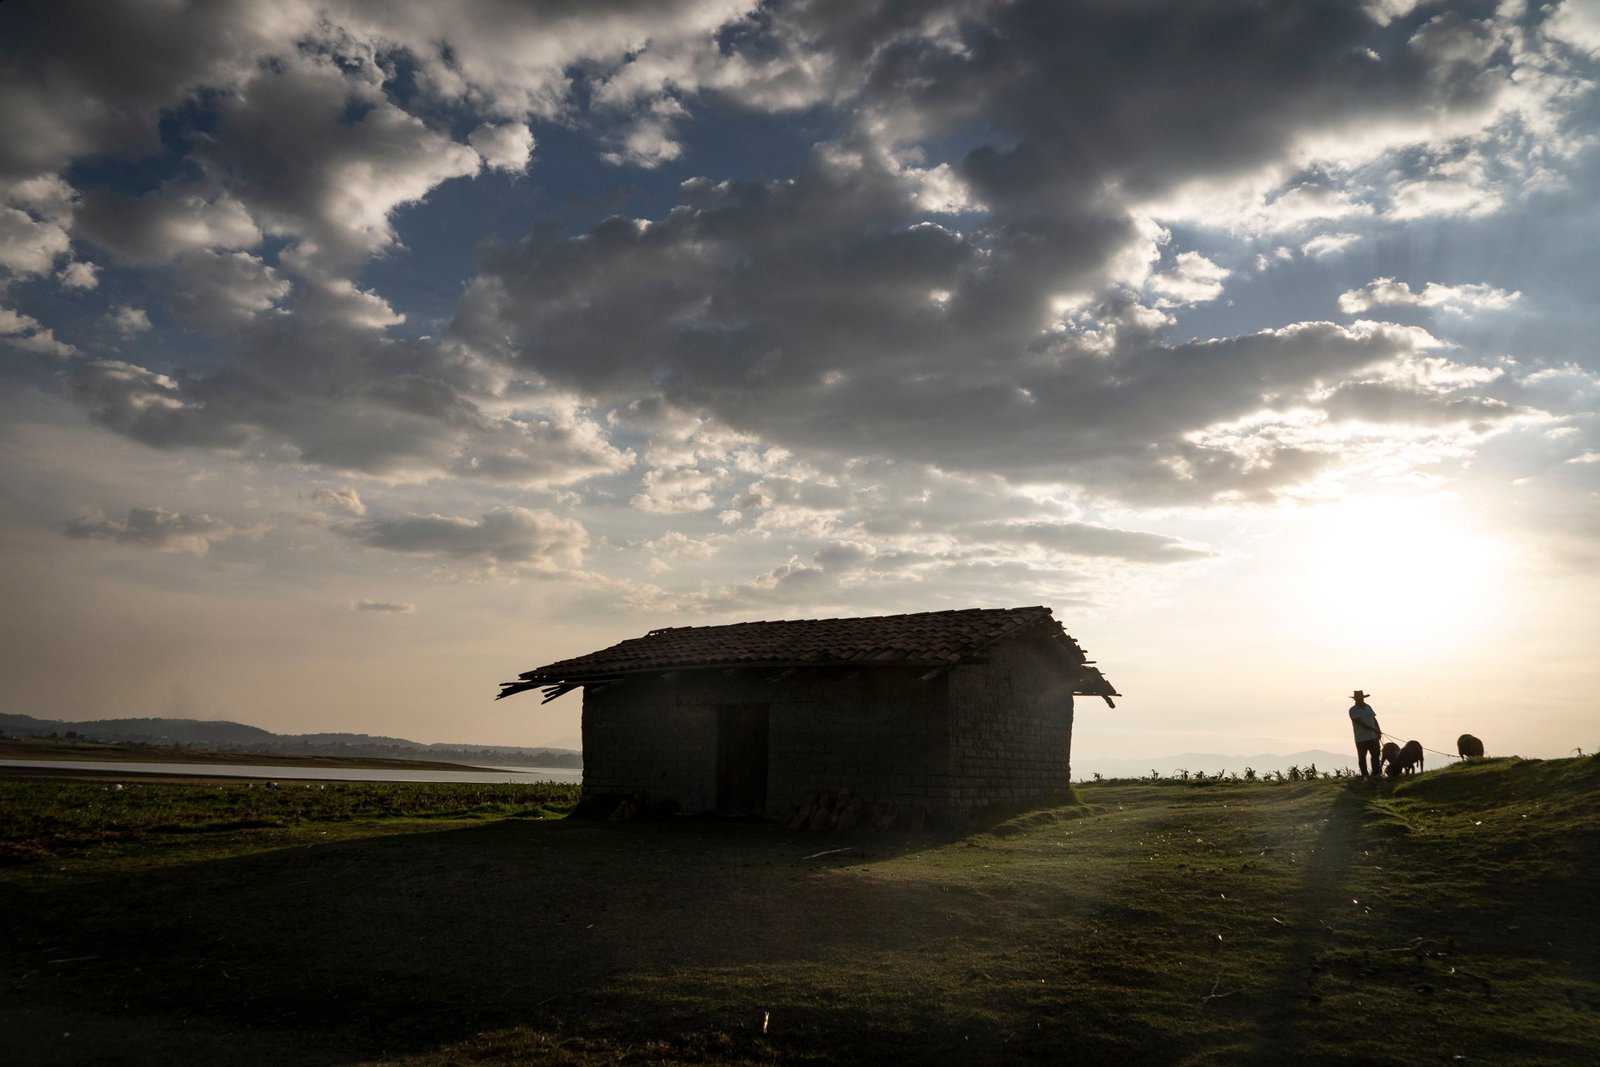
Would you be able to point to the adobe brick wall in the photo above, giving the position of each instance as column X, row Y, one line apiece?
column 880, row 733
column 639, row 737
column 1010, row 728
column 973, row 736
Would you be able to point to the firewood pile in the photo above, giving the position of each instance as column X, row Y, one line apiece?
column 841, row 810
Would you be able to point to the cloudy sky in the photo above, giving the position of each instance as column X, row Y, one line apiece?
column 356, row 356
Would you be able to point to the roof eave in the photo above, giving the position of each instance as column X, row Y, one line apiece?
column 541, row 680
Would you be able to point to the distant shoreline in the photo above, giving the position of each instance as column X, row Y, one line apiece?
column 47, row 752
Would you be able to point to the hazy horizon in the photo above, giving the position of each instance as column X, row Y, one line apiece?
column 1210, row 762
column 355, row 358
column 1083, row 767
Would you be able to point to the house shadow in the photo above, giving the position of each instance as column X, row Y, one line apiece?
column 394, row 945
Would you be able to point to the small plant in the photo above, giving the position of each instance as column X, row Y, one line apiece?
column 1294, row 773
column 1249, row 774
column 1311, row 772
column 1183, row 775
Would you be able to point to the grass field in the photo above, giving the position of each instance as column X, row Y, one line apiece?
column 1446, row 918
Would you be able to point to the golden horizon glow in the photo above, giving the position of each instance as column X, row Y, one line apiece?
column 1413, row 575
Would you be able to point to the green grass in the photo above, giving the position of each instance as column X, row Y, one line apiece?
column 1448, row 917
column 44, row 818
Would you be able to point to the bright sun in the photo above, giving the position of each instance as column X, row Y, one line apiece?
column 1411, row 575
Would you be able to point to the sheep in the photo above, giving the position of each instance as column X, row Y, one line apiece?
column 1391, row 752
column 1408, row 758
column 1468, row 746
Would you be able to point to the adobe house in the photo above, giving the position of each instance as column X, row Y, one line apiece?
column 943, row 711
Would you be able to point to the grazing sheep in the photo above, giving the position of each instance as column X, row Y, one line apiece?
column 1408, row 758
column 1468, row 746
column 1391, row 752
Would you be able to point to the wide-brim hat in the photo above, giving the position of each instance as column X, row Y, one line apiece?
column 1359, row 695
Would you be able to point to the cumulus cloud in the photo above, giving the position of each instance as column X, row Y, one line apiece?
column 1388, row 402
column 384, row 607
column 1194, row 279
column 1337, row 97
column 225, row 290
column 343, row 499
column 993, row 307
column 157, row 528
column 28, row 245
column 151, row 407
column 509, row 537
column 1328, row 244
column 904, row 305
column 79, row 275
column 1442, row 196
column 34, row 216
column 786, row 494
column 853, row 575
column 518, row 59
column 30, row 335
column 650, row 138
column 746, row 301
column 330, row 396
column 290, row 151
column 1087, row 539
column 159, row 226
column 674, row 545
column 678, row 491
column 507, row 146
column 737, row 280
column 1577, row 24
column 1309, row 202
column 338, row 301
column 95, row 79
column 1458, row 299
column 129, row 321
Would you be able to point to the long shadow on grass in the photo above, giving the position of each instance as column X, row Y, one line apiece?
column 1322, row 893
column 397, row 944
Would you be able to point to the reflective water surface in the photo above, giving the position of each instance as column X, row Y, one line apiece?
column 325, row 774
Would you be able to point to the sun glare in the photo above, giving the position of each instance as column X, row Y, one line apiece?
column 1411, row 575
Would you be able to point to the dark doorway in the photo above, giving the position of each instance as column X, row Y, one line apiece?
column 742, row 759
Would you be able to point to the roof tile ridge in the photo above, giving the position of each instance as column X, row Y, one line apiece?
column 1044, row 614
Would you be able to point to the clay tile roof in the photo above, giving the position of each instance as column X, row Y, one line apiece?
column 932, row 639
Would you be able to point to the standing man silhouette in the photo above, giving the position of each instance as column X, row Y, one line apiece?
column 1365, row 723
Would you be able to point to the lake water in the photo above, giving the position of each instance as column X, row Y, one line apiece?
column 491, row 776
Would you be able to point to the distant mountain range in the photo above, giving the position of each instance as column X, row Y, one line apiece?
column 224, row 736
